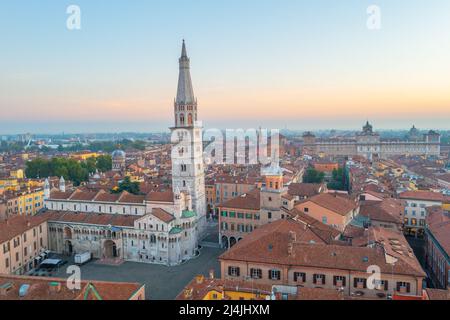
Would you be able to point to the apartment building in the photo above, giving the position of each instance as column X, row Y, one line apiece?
column 331, row 209
column 415, row 209
column 437, row 248
column 22, row 241
column 287, row 253
column 26, row 202
column 238, row 217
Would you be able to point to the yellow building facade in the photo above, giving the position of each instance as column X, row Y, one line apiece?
column 26, row 203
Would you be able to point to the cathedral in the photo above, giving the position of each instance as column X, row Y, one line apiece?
column 158, row 227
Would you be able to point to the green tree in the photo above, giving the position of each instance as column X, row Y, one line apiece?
column 104, row 163
column 313, row 176
column 127, row 185
column 90, row 164
column 337, row 182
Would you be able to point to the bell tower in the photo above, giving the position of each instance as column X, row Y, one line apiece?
column 187, row 150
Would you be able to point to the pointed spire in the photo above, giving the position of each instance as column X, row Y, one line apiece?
column 185, row 92
column 46, row 189
column 183, row 50
column 62, row 184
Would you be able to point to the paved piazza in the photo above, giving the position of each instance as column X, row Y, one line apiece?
column 161, row 282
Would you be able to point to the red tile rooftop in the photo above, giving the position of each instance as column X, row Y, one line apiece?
column 249, row 201
column 43, row 288
column 16, row 225
column 162, row 215
column 90, row 218
column 164, row 196
column 304, row 189
column 422, row 195
column 102, row 195
column 269, row 244
column 337, row 203
column 438, row 222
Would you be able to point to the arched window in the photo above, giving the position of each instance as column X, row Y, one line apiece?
column 182, row 119
column 190, row 122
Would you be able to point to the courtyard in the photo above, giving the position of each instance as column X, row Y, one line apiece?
column 161, row 282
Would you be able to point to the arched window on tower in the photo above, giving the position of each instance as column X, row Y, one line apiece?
column 182, row 119
column 190, row 119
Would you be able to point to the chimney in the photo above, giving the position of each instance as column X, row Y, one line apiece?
column 291, row 250
column 292, row 236
column 28, row 223
column 199, row 279
column 188, row 292
column 211, row 274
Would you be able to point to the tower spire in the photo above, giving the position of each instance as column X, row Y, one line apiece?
column 185, row 92
column 183, row 50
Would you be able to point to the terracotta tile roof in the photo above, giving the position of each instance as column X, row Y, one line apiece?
column 200, row 286
column 16, row 225
column 100, row 196
column 325, row 232
column 162, row 215
column 438, row 222
column 304, row 189
column 248, row 201
column 388, row 210
column 40, row 289
column 444, row 177
column 79, row 195
column 104, row 196
column 422, row 195
column 90, row 218
column 437, row 294
column 287, row 196
column 58, row 195
column 379, row 195
column 126, row 197
column 269, row 246
column 164, row 196
column 236, row 179
column 334, row 202
column 393, row 243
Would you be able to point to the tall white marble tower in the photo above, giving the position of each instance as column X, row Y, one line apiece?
column 187, row 152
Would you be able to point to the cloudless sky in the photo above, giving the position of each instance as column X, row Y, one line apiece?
column 301, row 64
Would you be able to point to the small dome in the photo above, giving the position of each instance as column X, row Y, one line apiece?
column 118, row 154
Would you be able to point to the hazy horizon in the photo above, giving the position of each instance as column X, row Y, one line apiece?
column 301, row 65
column 108, row 128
